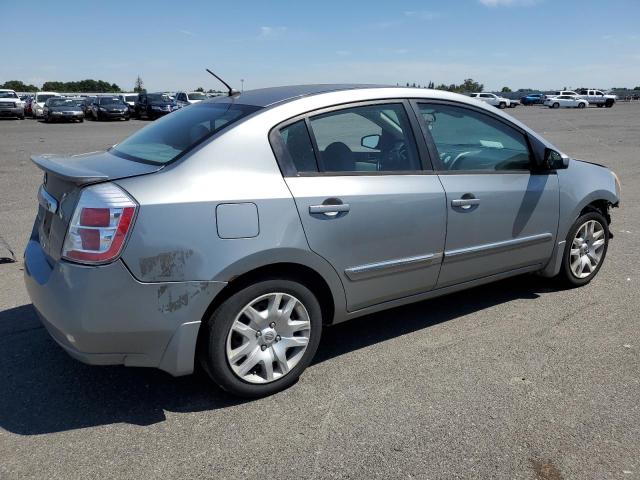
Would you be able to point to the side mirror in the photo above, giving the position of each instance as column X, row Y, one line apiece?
column 370, row 141
column 555, row 160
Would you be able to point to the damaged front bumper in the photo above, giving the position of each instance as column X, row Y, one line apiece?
column 102, row 315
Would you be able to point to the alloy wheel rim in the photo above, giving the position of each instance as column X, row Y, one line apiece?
column 268, row 338
column 587, row 249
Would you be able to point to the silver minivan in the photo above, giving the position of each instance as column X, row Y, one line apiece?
column 231, row 232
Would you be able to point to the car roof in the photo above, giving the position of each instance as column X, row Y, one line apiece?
column 265, row 97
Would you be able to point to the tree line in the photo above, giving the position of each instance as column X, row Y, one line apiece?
column 88, row 85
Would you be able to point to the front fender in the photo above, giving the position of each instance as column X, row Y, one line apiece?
column 581, row 184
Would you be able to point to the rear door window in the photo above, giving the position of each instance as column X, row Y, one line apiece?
column 371, row 138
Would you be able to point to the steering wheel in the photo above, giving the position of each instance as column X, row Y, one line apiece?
column 457, row 159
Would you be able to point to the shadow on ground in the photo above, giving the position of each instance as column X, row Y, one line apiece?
column 44, row 390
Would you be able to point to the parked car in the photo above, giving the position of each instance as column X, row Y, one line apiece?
column 189, row 98
column 39, row 99
column 597, row 98
column 58, row 109
column 244, row 224
column 492, row 99
column 568, row 101
column 154, row 105
column 513, row 103
column 532, row 99
column 10, row 104
column 109, row 107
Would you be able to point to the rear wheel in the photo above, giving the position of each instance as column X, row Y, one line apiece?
column 261, row 339
column 502, row 105
column 600, row 105
column 556, row 105
column 585, row 250
column 609, row 103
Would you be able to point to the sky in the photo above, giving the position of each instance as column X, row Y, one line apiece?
column 539, row 44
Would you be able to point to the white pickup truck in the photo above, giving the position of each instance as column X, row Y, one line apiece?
column 597, row 97
column 594, row 97
column 492, row 99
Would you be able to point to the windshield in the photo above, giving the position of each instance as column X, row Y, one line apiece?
column 196, row 96
column 44, row 98
column 110, row 101
column 158, row 97
column 61, row 102
column 8, row 95
column 166, row 139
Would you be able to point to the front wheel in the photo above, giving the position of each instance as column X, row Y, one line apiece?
column 556, row 105
column 585, row 250
column 502, row 106
column 261, row 339
column 581, row 105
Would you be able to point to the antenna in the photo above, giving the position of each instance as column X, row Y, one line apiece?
column 231, row 91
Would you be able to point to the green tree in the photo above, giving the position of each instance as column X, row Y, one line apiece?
column 469, row 85
column 19, row 86
column 139, row 85
column 637, row 88
column 88, row 85
column 505, row 90
column 199, row 89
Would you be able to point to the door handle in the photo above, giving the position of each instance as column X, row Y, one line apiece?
column 465, row 203
column 329, row 210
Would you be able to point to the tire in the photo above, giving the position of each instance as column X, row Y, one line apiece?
column 581, row 105
column 555, row 105
column 567, row 275
column 502, row 105
column 609, row 103
column 21, row 117
column 600, row 105
column 218, row 339
column 81, row 120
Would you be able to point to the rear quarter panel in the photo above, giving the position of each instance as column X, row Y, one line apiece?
column 175, row 237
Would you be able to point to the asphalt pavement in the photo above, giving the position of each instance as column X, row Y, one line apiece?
column 517, row 379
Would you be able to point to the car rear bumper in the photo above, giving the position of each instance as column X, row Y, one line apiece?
column 102, row 315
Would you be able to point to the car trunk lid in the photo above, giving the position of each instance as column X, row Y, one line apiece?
column 64, row 178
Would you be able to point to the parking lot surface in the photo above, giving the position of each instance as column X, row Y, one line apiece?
column 517, row 379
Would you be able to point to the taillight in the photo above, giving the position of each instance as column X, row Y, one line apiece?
column 100, row 224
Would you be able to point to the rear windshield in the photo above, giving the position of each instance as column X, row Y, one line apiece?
column 110, row 101
column 167, row 138
column 197, row 96
column 61, row 102
column 158, row 97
